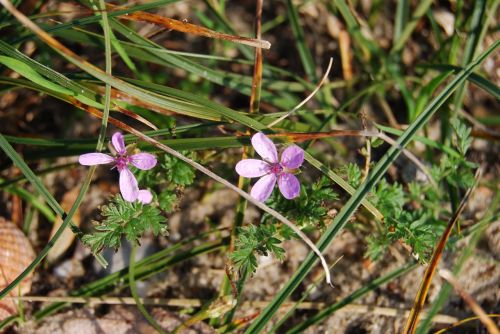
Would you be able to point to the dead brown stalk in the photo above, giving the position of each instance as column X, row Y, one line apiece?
column 418, row 305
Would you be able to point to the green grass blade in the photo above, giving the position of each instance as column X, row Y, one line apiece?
column 242, row 84
column 121, row 51
column 37, row 183
column 353, row 203
column 406, row 92
column 33, row 70
column 6, row 183
column 304, row 52
column 424, row 140
column 135, row 294
column 228, row 28
column 426, row 92
column 402, row 11
column 368, row 46
column 420, row 11
column 342, row 183
column 12, row 154
column 35, row 202
column 478, row 80
column 478, row 26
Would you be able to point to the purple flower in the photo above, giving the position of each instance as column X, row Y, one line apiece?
column 271, row 169
column 128, row 183
column 145, row 196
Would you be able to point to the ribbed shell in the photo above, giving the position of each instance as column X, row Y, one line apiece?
column 16, row 254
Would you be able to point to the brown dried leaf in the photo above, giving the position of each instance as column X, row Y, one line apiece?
column 191, row 28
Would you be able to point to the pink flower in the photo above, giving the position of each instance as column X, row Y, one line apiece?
column 272, row 169
column 128, row 183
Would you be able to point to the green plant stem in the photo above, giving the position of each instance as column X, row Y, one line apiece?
column 135, row 295
column 420, row 11
column 109, row 64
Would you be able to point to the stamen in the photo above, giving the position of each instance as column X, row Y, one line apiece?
column 276, row 169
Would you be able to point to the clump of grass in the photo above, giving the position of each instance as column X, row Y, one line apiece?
column 188, row 106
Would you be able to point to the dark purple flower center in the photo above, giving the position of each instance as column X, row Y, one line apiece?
column 276, row 168
column 121, row 162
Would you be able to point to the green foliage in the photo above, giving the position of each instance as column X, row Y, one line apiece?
column 354, row 176
column 457, row 170
column 409, row 218
column 131, row 220
column 310, row 209
column 415, row 216
column 256, row 240
column 167, row 201
column 178, row 171
column 124, row 219
column 463, row 138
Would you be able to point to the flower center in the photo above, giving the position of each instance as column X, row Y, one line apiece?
column 122, row 162
column 276, row 169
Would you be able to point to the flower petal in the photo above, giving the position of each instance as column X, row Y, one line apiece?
column 265, row 147
column 128, row 185
column 119, row 143
column 90, row 159
column 252, row 168
column 292, row 157
column 263, row 188
column 289, row 185
column 145, row 196
column 143, row 161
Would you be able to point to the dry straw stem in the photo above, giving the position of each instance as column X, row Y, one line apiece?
column 310, row 96
column 418, row 305
column 345, row 54
column 190, row 28
column 257, row 67
column 78, row 61
column 187, row 303
column 377, row 134
column 297, row 137
column 487, row 322
column 133, row 115
column 464, row 321
column 410, row 156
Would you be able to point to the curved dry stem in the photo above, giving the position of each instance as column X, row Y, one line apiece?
column 367, row 133
column 475, row 307
column 310, row 96
column 410, row 156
